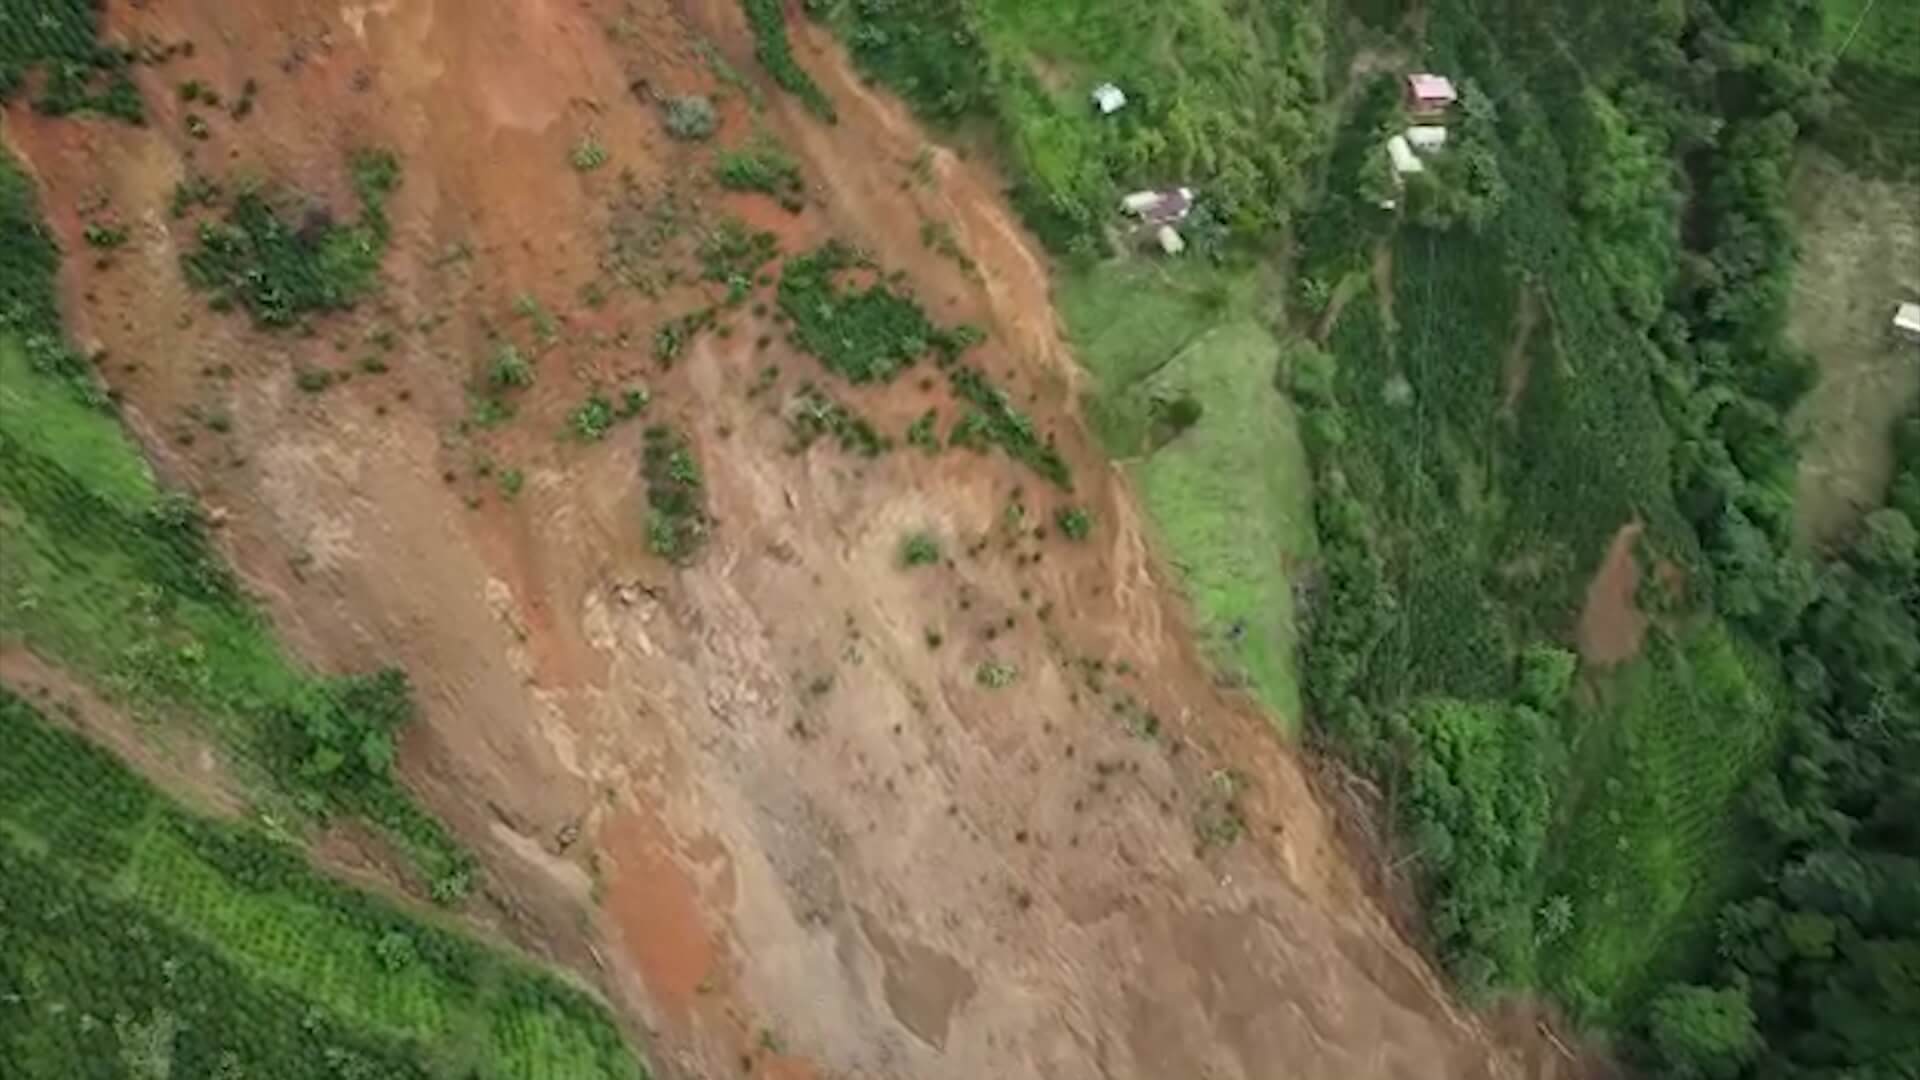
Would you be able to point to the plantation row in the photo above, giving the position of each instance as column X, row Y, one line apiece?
column 1470, row 478
column 140, row 937
column 58, row 38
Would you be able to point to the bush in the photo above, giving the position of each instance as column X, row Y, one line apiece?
column 509, row 370
column 1075, row 523
column 919, row 549
column 691, row 117
column 678, row 523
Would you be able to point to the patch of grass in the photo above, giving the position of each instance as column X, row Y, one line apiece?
column 993, row 420
column 762, row 165
column 869, row 335
column 203, row 949
column 924, row 432
column 690, row 117
column 282, row 262
column 677, row 523
column 919, row 549
column 812, row 414
column 587, row 155
column 510, row 369
column 996, row 674
column 593, row 419
column 1075, row 522
column 768, row 19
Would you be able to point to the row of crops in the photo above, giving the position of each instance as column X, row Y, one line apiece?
column 138, row 937
column 56, row 42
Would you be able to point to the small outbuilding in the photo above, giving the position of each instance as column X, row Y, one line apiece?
column 1109, row 99
column 1906, row 322
column 1428, row 93
column 1427, row 138
column 1163, row 206
column 1170, row 241
column 1405, row 161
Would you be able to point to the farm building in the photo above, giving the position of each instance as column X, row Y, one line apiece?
column 1109, row 99
column 1427, row 138
column 1405, row 161
column 1170, row 241
column 1906, row 322
column 1430, row 93
column 1160, row 207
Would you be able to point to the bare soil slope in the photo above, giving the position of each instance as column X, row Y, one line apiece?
column 746, row 797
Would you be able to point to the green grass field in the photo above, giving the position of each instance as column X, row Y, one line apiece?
column 1877, row 122
column 1230, row 496
column 139, row 937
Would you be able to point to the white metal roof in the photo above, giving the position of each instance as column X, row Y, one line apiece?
column 1907, row 317
column 1404, row 159
column 1109, row 98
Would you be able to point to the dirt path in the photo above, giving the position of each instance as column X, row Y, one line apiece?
column 748, row 797
column 1612, row 626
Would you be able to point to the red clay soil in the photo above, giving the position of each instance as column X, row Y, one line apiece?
column 1612, row 626
column 745, row 798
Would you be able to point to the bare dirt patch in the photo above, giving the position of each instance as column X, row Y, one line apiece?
column 815, row 843
column 1859, row 254
column 1612, row 626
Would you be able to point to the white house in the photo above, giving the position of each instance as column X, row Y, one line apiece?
column 1159, row 207
column 1906, row 322
column 1170, row 241
column 1405, row 161
column 1109, row 99
column 1427, row 138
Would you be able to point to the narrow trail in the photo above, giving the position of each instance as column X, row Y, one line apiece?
column 748, row 798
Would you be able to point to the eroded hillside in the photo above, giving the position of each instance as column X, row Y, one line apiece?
column 803, row 799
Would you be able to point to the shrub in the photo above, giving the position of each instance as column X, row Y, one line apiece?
column 593, row 419
column 510, row 370
column 1075, row 523
column 764, row 166
column 919, row 549
column 996, row 674
column 587, row 155
column 691, row 117
column 675, row 496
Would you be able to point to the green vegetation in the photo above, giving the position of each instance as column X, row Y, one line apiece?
column 1569, row 326
column 59, row 40
column 866, row 336
column 762, row 165
column 280, row 271
column 677, row 522
column 919, row 549
column 1192, row 69
column 1874, row 121
column 994, row 421
column 1075, row 522
column 587, row 155
column 141, row 940
column 996, row 674
column 812, row 414
column 924, row 432
column 138, row 939
column 691, row 118
column 770, row 46
column 1183, row 392
column 593, row 419
column 115, row 578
